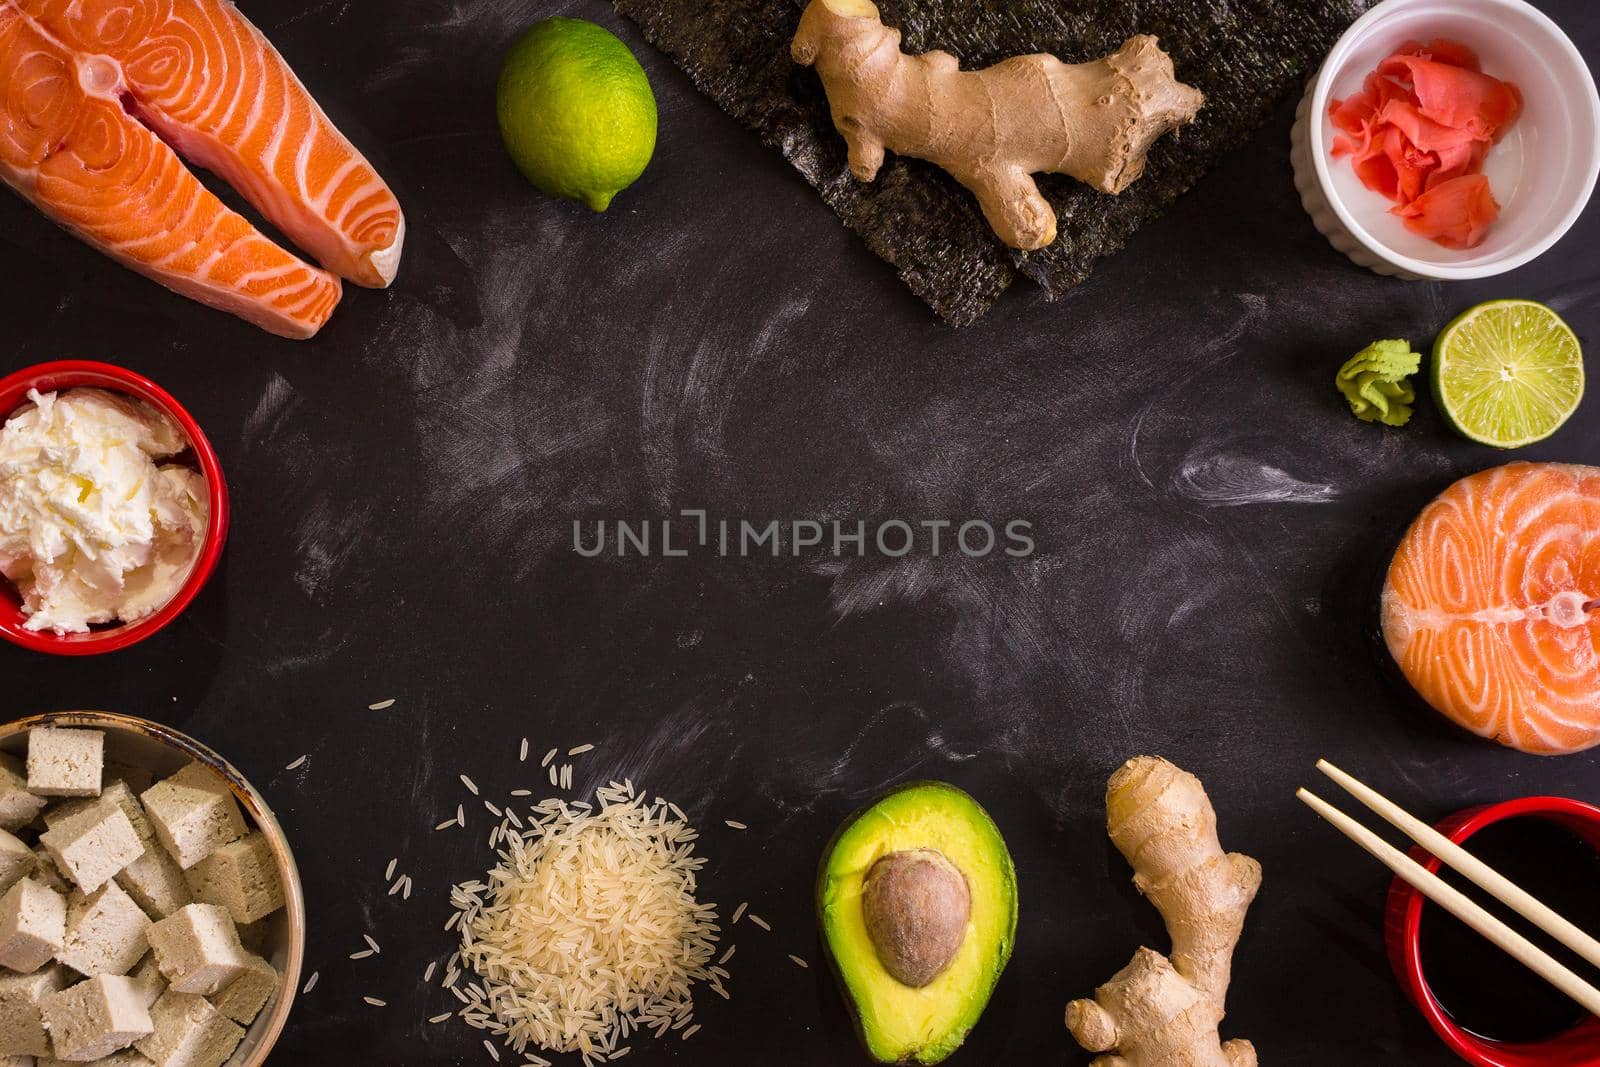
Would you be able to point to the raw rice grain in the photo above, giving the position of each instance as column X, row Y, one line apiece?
column 588, row 927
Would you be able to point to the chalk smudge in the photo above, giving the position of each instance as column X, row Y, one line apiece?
column 1226, row 481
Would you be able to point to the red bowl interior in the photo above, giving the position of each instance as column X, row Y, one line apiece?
column 1578, row 1047
column 72, row 374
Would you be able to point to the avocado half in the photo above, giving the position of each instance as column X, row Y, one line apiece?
column 899, row 1023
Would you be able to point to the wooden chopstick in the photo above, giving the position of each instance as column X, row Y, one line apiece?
column 1462, row 907
column 1480, row 873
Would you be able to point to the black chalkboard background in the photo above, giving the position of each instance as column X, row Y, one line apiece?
column 1211, row 526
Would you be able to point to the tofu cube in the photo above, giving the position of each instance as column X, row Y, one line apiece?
column 65, row 763
column 18, row 807
column 33, row 925
column 93, row 845
column 126, row 1058
column 137, row 779
column 247, row 994
column 22, row 1031
column 260, row 936
column 95, row 1018
column 241, row 876
column 198, row 949
column 189, row 1033
column 116, row 793
column 147, row 976
column 46, row 871
column 16, row 860
column 193, row 814
column 107, row 933
column 156, row 882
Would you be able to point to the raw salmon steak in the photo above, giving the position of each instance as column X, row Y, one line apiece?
column 99, row 97
column 1492, row 605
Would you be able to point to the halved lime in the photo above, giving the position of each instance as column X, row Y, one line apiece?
column 1507, row 373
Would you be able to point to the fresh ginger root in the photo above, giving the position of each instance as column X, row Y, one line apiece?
column 993, row 129
column 1156, row 1011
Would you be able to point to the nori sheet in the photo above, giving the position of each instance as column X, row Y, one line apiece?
column 1245, row 55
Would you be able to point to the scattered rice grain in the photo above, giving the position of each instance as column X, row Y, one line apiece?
column 382, row 705
column 375, row 1002
column 548, row 756
column 580, row 750
column 695, row 1029
column 388, row 872
column 441, row 1017
column 735, row 825
column 759, row 921
column 427, row 975
column 301, row 762
column 472, row 787
column 365, row 953
column 738, row 913
column 373, row 945
column 522, row 756
column 311, row 983
column 798, row 962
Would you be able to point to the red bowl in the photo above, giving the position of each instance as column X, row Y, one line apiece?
column 73, row 374
column 1578, row 1047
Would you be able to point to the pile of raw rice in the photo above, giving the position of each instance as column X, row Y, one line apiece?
column 587, row 929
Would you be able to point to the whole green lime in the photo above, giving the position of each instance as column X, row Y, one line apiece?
column 576, row 111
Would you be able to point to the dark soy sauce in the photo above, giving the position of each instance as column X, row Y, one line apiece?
column 1485, row 991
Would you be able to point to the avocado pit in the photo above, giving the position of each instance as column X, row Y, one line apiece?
column 916, row 904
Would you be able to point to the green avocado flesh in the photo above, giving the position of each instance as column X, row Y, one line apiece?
column 898, row 1023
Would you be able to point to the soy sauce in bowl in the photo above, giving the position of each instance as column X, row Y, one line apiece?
column 1485, row 991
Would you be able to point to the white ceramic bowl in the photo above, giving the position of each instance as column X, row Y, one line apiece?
column 1542, row 171
column 161, row 750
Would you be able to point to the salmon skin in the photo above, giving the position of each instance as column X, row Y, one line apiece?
column 1492, row 605
column 99, row 97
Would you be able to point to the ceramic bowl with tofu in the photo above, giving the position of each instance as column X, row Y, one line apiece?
column 150, row 906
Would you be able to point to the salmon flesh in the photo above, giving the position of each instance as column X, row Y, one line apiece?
column 1492, row 605
column 98, row 99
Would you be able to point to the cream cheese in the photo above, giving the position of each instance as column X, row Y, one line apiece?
column 92, row 529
